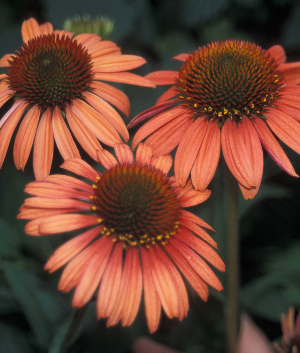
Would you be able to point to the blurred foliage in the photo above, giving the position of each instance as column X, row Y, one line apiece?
column 34, row 316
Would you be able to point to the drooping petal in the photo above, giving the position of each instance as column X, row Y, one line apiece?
column 181, row 57
column 70, row 249
column 194, row 228
column 113, row 95
column 187, row 150
column 110, row 283
column 43, row 147
column 207, row 158
column 272, row 147
column 109, row 113
column 165, row 139
column 191, row 197
column 100, row 127
column 253, row 145
column 195, row 281
column 285, row 127
column 291, row 72
column 151, row 297
column 62, row 136
column 169, row 94
column 12, row 117
column 30, row 29
column 195, row 219
column 236, row 155
column 92, row 275
column 198, row 264
column 25, row 136
column 83, row 135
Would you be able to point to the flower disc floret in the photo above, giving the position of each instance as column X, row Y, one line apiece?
column 49, row 71
column 137, row 204
column 230, row 79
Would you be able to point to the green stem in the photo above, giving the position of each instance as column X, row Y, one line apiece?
column 75, row 323
column 232, row 262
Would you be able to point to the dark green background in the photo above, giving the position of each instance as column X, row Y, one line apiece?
column 34, row 316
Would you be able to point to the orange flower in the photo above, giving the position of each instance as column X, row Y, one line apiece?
column 232, row 95
column 138, row 239
column 56, row 79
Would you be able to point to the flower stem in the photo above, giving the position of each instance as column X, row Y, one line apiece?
column 74, row 325
column 232, row 262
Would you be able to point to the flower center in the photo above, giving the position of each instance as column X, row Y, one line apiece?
column 138, row 204
column 230, row 79
column 50, row 71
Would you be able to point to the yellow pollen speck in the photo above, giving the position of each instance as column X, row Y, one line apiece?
column 220, row 114
column 94, row 208
column 97, row 178
column 99, row 220
column 195, row 105
column 94, row 186
column 159, row 237
column 209, row 109
column 92, row 197
column 251, row 105
column 225, row 111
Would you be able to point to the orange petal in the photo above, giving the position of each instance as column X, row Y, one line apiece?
column 123, row 153
column 38, row 213
column 146, row 114
column 285, row 127
column 105, row 47
column 195, row 219
column 163, row 77
column 198, row 264
column 164, row 163
column 170, row 93
column 95, row 122
column 80, row 167
column 76, row 267
column 46, row 28
column 108, row 112
column 164, row 284
column 71, row 248
column 43, row 147
column 236, row 155
column 188, row 148
column 291, row 72
column 183, row 301
column 117, row 63
column 194, row 228
column 202, row 248
column 110, row 283
column 106, row 159
column 195, row 281
column 208, row 157
column 30, row 29
column 253, row 146
column 63, row 138
column 87, row 39
column 41, row 202
column 25, row 137
column 191, row 197
column 151, row 297
column 123, row 77
column 4, row 60
column 278, row 53
column 181, row 57
column 12, row 117
column 92, row 275
column 66, row 223
column 143, row 154
column 272, row 147
column 165, row 139
column 83, row 135
column 69, row 182
column 113, row 95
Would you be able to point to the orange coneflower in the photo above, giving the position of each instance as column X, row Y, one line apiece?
column 139, row 237
column 56, row 80
column 233, row 95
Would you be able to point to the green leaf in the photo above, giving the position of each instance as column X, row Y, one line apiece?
column 9, row 239
column 13, row 340
column 42, row 306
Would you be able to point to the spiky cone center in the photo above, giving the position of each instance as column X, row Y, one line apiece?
column 137, row 204
column 50, row 71
column 230, row 79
